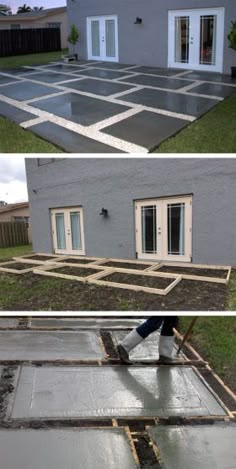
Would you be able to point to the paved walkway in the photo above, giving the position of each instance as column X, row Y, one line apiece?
column 99, row 107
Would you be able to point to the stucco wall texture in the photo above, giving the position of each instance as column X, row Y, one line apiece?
column 116, row 183
column 145, row 44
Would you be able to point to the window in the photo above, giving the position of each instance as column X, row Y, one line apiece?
column 15, row 26
column 54, row 25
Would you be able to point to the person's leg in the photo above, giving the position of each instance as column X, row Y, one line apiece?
column 166, row 343
column 138, row 335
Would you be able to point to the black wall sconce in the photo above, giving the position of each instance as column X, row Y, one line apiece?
column 104, row 212
column 138, row 20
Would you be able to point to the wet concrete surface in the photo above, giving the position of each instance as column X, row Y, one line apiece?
column 146, row 128
column 4, row 80
column 80, row 109
column 213, row 77
column 110, row 65
column 64, row 68
column 106, row 74
column 212, row 89
column 23, row 91
column 205, row 446
column 160, row 82
column 70, row 141
column 46, row 345
column 167, row 72
column 101, row 88
column 17, row 71
column 78, row 323
column 49, row 77
column 80, row 448
column 9, row 322
column 15, row 114
column 174, row 102
column 93, row 391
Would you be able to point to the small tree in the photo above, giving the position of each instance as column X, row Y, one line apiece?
column 232, row 36
column 73, row 36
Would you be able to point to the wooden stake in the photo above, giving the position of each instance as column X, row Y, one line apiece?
column 187, row 334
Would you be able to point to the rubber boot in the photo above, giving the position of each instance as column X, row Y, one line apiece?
column 128, row 344
column 166, row 346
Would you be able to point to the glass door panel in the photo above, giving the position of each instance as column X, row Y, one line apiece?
column 176, row 229
column 95, row 38
column 110, row 38
column 149, row 229
column 102, row 38
column 75, row 230
column 182, row 24
column 208, row 27
column 60, row 231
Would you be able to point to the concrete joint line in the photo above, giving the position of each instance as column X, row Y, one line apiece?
column 29, row 123
column 177, row 75
column 71, row 81
column 191, row 86
column 115, row 119
column 117, row 80
column 46, row 96
column 123, row 93
column 130, row 68
column 11, row 83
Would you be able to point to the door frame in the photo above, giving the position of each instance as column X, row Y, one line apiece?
column 102, row 19
column 68, row 250
column 162, row 233
column 220, row 12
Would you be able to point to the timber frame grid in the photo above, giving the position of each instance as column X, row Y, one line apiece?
column 4, row 268
column 200, row 278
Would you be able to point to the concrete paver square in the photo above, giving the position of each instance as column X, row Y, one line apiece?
column 8, row 322
column 15, row 114
column 209, row 76
column 111, row 65
column 107, row 74
column 167, row 72
column 175, row 102
column 49, row 77
column 146, row 128
column 77, row 323
column 80, row 448
column 63, row 68
column 69, row 140
column 4, row 80
column 17, row 71
column 80, row 109
column 93, row 391
column 46, row 345
column 26, row 90
column 159, row 82
column 99, row 87
column 205, row 446
column 214, row 90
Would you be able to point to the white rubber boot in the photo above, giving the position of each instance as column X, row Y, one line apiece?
column 166, row 346
column 128, row 344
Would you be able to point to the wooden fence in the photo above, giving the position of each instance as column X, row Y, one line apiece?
column 13, row 234
column 29, row 41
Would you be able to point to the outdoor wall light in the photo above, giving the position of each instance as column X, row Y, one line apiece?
column 104, row 212
column 34, row 191
column 138, row 20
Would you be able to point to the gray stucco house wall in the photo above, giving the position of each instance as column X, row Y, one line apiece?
column 145, row 44
column 116, row 183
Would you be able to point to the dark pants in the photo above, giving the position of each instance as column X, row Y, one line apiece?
column 155, row 322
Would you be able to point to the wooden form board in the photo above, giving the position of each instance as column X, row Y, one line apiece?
column 26, row 259
column 127, row 261
column 4, row 268
column 95, row 278
column 200, row 278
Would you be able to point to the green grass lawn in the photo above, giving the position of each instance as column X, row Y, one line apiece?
column 31, row 59
column 6, row 253
column 213, row 133
column 214, row 337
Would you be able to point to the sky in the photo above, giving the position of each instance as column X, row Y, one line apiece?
column 14, row 4
column 12, row 179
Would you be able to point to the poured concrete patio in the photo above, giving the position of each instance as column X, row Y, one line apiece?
column 99, row 107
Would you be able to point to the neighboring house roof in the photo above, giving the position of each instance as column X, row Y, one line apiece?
column 33, row 14
column 11, row 207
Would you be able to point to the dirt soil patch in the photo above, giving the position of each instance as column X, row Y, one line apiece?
column 20, row 266
column 77, row 261
column 126, row 265
column 141, row 280
column 75, row 271
column 30, row 292
column 194, row 271
column 41, row 258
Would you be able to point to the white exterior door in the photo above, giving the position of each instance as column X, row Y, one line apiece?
column 68, row 231
column 102, row 38
column 164, row 229
column 196, row 39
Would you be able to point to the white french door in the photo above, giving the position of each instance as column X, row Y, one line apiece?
column 196, row 39
column 68, row 231
column 164, row 229
column 102, row 38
